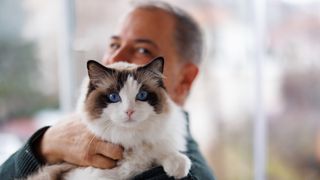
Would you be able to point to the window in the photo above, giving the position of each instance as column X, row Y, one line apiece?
column 39, row 39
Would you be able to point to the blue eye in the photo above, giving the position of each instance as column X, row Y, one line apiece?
column 114, row 97
column 142, row 96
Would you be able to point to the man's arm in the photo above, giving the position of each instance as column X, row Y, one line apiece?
column 25, row 161
column 68, row 141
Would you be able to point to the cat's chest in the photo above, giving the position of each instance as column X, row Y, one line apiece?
column 143, row 154
column 141, row 149
column 131, row 139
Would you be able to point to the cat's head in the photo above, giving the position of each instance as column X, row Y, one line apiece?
column 126, row 94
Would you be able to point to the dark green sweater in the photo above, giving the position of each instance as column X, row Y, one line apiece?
column 25, row 161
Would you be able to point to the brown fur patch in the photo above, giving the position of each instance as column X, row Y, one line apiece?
column 95, row 103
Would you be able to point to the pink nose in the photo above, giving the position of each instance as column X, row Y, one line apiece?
column 130, row 112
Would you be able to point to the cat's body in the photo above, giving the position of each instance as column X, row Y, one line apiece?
column 127, row 104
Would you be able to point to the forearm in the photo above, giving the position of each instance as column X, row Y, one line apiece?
column 25, row 161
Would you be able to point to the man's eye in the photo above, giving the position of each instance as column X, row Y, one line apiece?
column 143, row 51
column 114, row 46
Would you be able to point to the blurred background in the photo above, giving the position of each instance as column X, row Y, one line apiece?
column 45, row 44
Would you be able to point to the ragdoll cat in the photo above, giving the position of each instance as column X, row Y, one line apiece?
column 128, row 105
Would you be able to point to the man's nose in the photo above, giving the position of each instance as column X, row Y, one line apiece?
column 121, row 54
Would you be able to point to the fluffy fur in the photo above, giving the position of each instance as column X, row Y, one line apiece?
column 154, row 134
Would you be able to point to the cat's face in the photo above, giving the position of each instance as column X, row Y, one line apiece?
column 125, row 94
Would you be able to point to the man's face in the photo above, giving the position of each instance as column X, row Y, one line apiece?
column 146, row 34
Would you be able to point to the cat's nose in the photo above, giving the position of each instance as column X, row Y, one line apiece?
column 130, row 112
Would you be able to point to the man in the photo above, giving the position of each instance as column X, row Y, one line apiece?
column 149, row 30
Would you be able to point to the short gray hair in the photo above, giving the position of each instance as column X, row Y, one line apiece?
column 188, row 35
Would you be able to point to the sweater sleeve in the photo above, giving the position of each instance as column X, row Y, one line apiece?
column 199, row 169
column 25, row 161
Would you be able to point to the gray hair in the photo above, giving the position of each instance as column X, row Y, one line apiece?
column 188, row 35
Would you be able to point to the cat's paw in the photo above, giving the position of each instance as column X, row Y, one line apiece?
column 177, row 165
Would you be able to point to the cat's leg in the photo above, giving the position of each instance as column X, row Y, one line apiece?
column 175, row 164
column 130, row 169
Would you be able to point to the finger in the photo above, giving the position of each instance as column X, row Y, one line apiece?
column 102, row 162
column 109, row 150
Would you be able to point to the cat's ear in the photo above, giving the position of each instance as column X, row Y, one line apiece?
column 156, row 65
column 97, row 71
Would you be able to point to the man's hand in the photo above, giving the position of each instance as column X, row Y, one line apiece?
column 72, row 142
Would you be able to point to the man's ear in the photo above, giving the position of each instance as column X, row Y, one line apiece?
column 188, row 72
